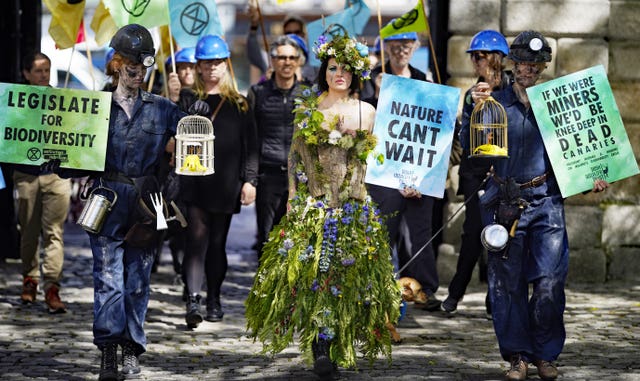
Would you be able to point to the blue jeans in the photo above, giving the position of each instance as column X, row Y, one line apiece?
column 121, row 277
column 538, row 254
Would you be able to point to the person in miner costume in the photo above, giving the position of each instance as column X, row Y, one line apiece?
column 529, row 328
column 140, row 125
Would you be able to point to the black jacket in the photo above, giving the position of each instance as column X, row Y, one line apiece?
column 273, row 115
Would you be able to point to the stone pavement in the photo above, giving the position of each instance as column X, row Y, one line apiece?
column 603, row 329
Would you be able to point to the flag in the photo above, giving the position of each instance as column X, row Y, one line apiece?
column 191, row 19
column 412, row 21
column 148, row 13
column 66, row 17
column 103, row 24
column 81, row 36
column 353, row 19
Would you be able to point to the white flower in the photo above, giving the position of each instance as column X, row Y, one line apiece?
column 334, row 136
column 350, row 44
column 359, row 65
column 331, row 52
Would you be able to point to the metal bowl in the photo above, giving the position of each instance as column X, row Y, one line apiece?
column 494, row 237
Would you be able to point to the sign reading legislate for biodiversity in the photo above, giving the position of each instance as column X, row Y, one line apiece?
column 582, row 130
column 40, row 123
column 415, row 121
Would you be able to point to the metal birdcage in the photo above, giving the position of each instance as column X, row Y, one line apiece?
column 488, row 129
column 194, row 146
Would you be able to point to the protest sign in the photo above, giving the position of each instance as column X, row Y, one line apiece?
column 415, row 122
column 582, row 130
column 41, row 123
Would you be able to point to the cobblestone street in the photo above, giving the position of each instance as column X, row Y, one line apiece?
column 603, row 331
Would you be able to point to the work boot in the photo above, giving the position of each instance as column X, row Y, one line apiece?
column 54, row 304
column 322, row 365
column 29, row 290
column 109, row 363
column 518, row 370
column 194, row 317
column 130, row 364
column 214, row 310
column 546, row 370
column 450, row 305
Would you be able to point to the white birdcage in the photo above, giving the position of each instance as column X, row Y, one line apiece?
column 488, row 129
column 194, row 146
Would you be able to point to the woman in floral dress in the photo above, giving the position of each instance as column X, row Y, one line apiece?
column 326, row 272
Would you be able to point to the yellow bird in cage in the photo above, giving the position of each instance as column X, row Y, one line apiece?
column 491, row 150
column 192, row 164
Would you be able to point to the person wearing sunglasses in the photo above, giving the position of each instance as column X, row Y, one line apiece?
column 486, row 52
column 528, row 324
column 272, row 104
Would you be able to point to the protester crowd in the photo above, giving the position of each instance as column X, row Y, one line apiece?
column 264, row 154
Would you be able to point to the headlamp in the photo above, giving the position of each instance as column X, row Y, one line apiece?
column 148, row 60
column 535, row 44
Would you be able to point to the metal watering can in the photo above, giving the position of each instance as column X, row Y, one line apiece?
column 96, row 209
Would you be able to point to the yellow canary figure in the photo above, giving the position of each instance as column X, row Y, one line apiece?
column 192, row 164
column 491, row 150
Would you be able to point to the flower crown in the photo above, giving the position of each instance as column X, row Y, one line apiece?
column 346, row 51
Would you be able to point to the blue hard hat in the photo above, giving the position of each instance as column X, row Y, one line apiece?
column 403, row 36
column 300, row 42
column 184, row 55
column 376, row 46
column 489, row 41
column 211, row 47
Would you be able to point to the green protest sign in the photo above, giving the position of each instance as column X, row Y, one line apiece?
column 40, row 123
column 582, row 130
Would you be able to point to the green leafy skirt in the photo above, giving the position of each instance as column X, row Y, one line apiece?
column 326, row 273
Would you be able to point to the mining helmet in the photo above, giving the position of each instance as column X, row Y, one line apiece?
column 186, row 55
column 530, row 46
column 134, row 42
column 489, row 41
column 211, row 47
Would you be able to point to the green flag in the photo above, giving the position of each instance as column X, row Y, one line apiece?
column 412, row 21
column 148, row 13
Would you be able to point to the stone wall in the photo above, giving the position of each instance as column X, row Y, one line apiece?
column 604, row 229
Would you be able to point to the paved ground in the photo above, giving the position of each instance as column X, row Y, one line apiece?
column 603, row 324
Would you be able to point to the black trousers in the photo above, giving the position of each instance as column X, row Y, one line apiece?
column 417, row 214
column 471, row 248
column 271, row 203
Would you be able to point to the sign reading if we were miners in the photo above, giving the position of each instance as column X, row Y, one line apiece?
column 41, row 123
column 582, row 130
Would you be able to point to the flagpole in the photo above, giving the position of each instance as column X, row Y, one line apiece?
column 381, row 39
column 84, row 33
column 173, row 57
column 66, row 78
column 264, row 35
column 165, row 86
column 433, row 52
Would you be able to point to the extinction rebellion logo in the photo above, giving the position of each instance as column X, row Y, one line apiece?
column 600, row 171
column 194, row 19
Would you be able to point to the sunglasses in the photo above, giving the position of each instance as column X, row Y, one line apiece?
column 477, row 56
column 284, row 58
column 404, row 47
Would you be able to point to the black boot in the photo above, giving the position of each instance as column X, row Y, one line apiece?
column 214, row 309
column 109, row 363
column 130, row 364
column 322, row 365
column 194, row 317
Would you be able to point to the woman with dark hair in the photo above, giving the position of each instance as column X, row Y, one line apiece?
column 326, row 270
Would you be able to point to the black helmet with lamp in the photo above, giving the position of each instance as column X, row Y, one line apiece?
column 134, row 42
column 530, row 46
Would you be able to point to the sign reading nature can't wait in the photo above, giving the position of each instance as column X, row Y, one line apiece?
column 582, row 130
column 40, row 123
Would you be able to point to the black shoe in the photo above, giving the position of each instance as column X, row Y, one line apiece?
column 322, row 365
column 214, row 310
column 487, row 304
column 193, row 317
column 450, row 305
column 431, row 305
column 109, row 363
column 130, row 364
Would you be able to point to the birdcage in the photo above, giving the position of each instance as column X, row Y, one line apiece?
column 488, row 129
column 194, row 146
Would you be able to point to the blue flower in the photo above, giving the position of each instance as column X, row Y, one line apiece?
column 348, row 261
column 315, row 285
column 335, row 291
column 319, row 204
column 287, row 244
column 306, row 92
column 346, row 220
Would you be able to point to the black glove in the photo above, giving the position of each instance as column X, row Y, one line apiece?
column 51, row 166
column 201, row 108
